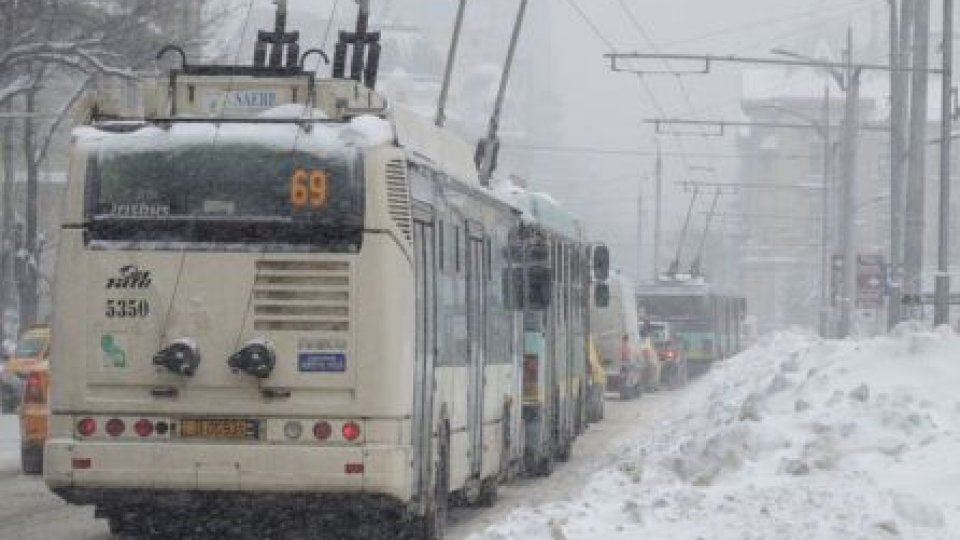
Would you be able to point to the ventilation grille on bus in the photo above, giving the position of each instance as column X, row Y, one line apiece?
column 398, row 196
column 302, row 296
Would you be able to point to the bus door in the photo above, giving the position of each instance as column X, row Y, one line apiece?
column 476, row 325
column 426, row 347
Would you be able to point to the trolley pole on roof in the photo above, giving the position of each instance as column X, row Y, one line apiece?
column 451, row 60
column 489, row 147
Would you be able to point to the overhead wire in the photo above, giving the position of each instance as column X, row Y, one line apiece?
column 653, row 46
column 644, row 86
column 764, row 22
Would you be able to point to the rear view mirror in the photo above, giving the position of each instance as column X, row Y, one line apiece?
column 539, row 287
column 601, row 295
column 601, row 262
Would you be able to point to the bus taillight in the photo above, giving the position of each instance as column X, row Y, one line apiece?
column 87, row 427
column 351, row 431
column 115, row 427
column 322, row 430
column 144, row 428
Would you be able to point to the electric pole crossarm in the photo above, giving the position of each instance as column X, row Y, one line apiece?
column 732, row 59
column 721, row 124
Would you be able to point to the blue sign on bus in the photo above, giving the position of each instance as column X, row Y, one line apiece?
column 312, row 362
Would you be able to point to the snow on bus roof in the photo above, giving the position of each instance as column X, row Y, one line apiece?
column 360, row 132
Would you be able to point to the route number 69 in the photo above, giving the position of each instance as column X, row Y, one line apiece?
column 309, row 188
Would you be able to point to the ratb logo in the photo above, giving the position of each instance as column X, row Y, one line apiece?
column 130, row 277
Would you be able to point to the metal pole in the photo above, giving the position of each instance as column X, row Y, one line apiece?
column 488, row 160
column 659, row 214
column 640, row 235
column 848, row 177
column 900, row 32
column 942, row 296
column 824, row 223
column 916, row 166
column 451, row 60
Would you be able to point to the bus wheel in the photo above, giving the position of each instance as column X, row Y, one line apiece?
column 489, row 492
column 566, row 448
column 436, row 519
column 545, row 465
column 31, row 459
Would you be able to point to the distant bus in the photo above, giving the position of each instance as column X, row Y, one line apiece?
column 707, row 323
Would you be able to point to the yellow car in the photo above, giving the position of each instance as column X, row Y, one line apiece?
column 32, row 352
column 26, row 377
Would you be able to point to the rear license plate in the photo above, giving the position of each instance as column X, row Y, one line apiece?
column 232, row 430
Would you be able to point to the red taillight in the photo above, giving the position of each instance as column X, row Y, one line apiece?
column 115, row 427
column 87, row 427
column 33, row 389
column 81, row 463
column 322, row 430
column 353, row 468
column 351, row 431
column 144, row 428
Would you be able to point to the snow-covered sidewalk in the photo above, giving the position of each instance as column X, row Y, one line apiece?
column 9, row 442
column 797, row 438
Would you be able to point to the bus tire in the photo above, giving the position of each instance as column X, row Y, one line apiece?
column 489, row 492
column 545, row 465
column 436, row 519
column 31, row 459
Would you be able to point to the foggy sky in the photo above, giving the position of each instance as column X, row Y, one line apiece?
column 603, row 110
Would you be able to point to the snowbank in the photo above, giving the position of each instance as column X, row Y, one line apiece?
column 796, row 438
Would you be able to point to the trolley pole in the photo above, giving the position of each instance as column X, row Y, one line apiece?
column 489, row 146
column 451, row 61
column 942, row 293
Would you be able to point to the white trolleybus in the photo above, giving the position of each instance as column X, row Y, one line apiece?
column 281, row 303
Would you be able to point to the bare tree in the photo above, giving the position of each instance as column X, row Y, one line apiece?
column 51, row 52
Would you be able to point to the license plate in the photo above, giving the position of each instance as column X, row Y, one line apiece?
column 219, row 429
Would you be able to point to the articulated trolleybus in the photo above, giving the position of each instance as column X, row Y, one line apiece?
column 276, row 293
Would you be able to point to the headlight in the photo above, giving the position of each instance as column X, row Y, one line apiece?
column 257, row 359
column 182, row 357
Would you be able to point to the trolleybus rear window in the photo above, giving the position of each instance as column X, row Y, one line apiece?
column 226, row 193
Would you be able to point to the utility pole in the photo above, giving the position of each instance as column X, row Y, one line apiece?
column 658, row 213
column 489, row 147
column 451, row 61
column 640, row 234
column 916, row 165
column 825, row 218
column 848, row 175
column 901, row 29
column 942, row 297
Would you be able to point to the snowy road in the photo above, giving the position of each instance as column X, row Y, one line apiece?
column 594, row 450
column 29, row 511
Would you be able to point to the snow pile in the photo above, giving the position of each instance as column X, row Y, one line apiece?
column 796, row 438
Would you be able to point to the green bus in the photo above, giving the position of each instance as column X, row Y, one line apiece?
column 708, row 323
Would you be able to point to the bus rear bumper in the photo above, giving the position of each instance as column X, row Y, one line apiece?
column 88, row 472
